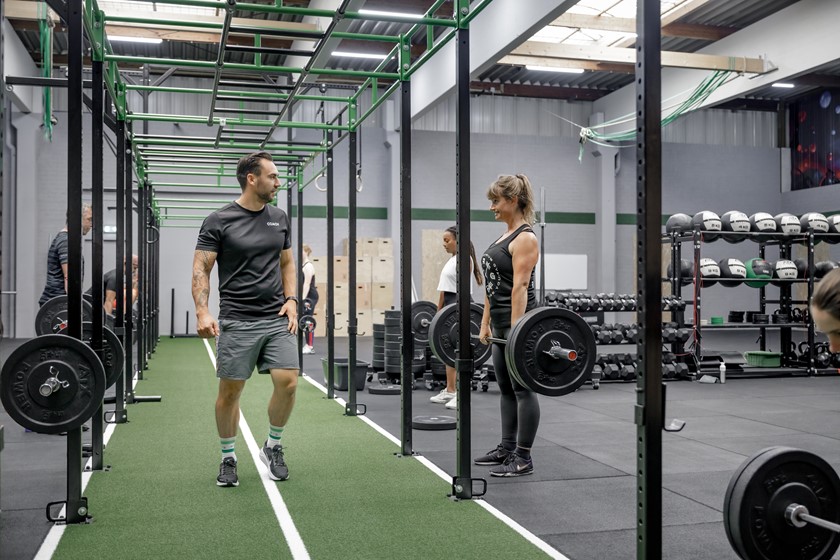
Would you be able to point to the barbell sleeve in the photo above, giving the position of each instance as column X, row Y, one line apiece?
column 558, row 352
column 797, row 515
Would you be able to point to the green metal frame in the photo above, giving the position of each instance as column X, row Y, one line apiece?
column 216, row 157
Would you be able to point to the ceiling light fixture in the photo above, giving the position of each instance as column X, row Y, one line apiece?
column 346, row 54
column 125, row 39
column 537, row 68
column 783, row 85
column 390, row 14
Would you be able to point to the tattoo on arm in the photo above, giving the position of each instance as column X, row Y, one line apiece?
column 202, row 265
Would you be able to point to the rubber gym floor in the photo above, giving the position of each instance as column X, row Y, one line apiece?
column 351, row 496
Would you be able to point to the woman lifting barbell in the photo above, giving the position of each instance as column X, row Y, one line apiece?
column 508, row 266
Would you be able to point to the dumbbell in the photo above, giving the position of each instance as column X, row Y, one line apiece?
column 669, row 332
column 603, row 336
column 609, row 369
column 631, row 333
column 625, row 358
column 669, row 371
column 682, row 369
column 683, row 334
column 627, row 371
column 617, row 334
column 669, row 358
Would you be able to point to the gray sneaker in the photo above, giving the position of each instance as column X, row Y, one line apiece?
column 227, row 473
column 273, row 459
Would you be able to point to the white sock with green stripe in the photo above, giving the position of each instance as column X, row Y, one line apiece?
column 274, row 435
column 228, row 445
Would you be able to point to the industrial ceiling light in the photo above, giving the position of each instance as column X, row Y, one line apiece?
column 126, row 39
column 783, row 85
column 538, row 68
column 390, row 14
column 346, row 54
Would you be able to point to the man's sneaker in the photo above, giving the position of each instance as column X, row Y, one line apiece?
column 495, row 457
column 514, row 465
column 227, row 473
column 273, row 459
column 308, row 350
column 443, row 397
column 452, row 404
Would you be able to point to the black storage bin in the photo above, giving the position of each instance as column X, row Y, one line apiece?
column 340, row 373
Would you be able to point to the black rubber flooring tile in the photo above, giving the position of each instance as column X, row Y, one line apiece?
column 820, row 422
column 780, row 386
column 705, row 487
column 743, row 406
column 824, row 446
column 563, row 413
column 705, row 541
column 588, row 506
column 820, row 402
column 590, row 433
column 713, row 426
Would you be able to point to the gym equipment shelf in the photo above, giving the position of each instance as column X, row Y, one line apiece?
column 785, row 300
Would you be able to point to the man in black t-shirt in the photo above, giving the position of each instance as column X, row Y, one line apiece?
column 57, row 258
column 251, row 240
column 109, row 287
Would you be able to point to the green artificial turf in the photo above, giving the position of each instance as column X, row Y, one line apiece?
column 349, row 495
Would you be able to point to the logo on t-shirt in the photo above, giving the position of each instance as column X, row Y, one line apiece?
column 275, row 224
column 493, row 278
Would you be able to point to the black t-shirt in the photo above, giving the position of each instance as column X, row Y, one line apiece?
column 56, row 257
column 247, row 246
column 497, row 264
column 109, row 282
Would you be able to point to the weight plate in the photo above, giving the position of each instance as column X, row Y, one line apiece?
column 537, row 332
column 443, row 335
column 113, row 354
column 434, row 423
column 52, row 384
column 422, row 313
column 52, row 316
column 307, row 324
column 384, row 389
column 760, row 491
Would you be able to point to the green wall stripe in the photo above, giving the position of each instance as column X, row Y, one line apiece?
column 448, row 215
column 630, row 219
column 341, row 212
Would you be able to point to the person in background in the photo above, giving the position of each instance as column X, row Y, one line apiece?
column 109, row 285
column 251, row 239
column 448, row 288
column 310, row 293
column 825, row 308
column 508, row 266
column 57, row 258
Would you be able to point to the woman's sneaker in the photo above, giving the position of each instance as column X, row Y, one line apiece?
column 308, row 350
column 495, row 457
column 443, row 397
column 514, row 466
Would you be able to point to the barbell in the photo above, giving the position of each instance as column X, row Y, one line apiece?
column 783, row 503
column 52, row 316
column 550, row 350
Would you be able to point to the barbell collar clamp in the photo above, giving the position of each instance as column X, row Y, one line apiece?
column 798, row 516
column 560, row 353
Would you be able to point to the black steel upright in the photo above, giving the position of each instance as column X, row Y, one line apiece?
column 300, row 294
column 120, row 413
column 140, row 320
column 97, row 195
column 464, row 365
column 128, row 321
column 330, row 268
column 649, row 415
column 76, row 506
column 407, row 373
column 351, row 409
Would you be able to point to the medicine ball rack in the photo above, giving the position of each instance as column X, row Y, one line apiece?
column 785, row 303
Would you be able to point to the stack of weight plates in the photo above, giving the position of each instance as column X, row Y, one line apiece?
column 378, row 360
column 392, row 344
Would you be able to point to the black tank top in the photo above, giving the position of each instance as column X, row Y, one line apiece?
column 497, row 264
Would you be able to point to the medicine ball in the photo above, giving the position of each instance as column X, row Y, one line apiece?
column 801, row 268
column 759, row 269
column 762, row 222
column 678, row 223
column 833, row 227
column 707, row 222
column 784, row 270
column 709, row 272
column 787, row 223
column 824, row 267
column 732, row 268
column 686, row 271
column 737, row 222
column 814, row 221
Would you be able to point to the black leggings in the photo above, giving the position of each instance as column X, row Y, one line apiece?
column 520, row 406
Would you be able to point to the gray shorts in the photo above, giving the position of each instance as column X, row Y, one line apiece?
column 243, row 345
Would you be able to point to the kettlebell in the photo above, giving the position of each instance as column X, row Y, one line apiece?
column 823, row 356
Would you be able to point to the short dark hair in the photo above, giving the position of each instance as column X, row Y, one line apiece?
column 250, row 164
column 827, row 294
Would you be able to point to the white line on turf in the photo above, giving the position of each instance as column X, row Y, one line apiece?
column 525, row 533
column 293, row 538
column 50, row 544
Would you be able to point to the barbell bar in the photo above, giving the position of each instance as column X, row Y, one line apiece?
column 556, row 351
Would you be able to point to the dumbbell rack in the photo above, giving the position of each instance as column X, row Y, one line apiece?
column 785, row 301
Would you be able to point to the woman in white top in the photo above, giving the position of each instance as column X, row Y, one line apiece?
column 448, row 294
column 310, row 292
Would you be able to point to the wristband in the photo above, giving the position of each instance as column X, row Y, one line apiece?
column 292, row 298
